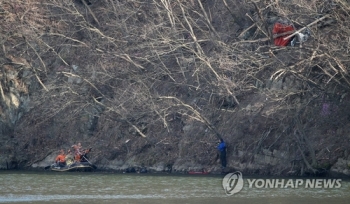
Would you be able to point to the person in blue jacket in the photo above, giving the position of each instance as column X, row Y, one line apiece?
column 222, row 149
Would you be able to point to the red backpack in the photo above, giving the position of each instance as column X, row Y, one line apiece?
column 279, row 28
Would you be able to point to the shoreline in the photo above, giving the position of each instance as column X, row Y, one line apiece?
column 176, row 173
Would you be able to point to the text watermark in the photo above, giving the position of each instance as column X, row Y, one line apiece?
column 233, row 183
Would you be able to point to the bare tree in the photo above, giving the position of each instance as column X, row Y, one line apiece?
column 142, row 64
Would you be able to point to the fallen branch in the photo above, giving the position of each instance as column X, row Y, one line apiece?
column 90, row 11
column 124, row 119
column 282, row 34
column 301, row 29
column 198, row 117
column 229, row 10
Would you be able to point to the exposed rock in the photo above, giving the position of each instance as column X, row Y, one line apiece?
column 342, row 166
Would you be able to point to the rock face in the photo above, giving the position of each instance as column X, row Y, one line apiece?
column 14, row 102
column 341, row 167
column 157, row 89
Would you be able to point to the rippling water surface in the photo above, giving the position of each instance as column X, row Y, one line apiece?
column 84, row 187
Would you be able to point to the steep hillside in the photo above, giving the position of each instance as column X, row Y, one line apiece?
column 157, row 83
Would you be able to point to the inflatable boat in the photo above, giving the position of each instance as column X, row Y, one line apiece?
column 77, row 166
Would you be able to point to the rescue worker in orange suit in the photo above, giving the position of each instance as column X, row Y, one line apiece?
column 77, row 152
column 61, row 159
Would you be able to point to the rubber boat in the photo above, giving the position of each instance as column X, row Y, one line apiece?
column 82, row 165
column 77, row 166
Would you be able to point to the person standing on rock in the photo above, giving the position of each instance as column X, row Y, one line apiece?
column 222, row 149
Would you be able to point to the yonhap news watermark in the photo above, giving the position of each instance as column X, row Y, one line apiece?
column 234, row 182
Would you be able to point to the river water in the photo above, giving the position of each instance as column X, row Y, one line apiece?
column 96, row 187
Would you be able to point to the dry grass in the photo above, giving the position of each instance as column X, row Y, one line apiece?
column 135, row 64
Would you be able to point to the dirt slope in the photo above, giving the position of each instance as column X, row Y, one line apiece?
column 156, row 84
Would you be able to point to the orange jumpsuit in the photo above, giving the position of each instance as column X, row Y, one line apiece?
column 60, row 158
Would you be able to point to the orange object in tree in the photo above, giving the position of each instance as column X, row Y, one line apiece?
column 280, row 28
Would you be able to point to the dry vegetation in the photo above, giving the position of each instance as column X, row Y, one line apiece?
column 173, row 75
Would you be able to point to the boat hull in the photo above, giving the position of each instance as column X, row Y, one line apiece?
column 82, row 166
